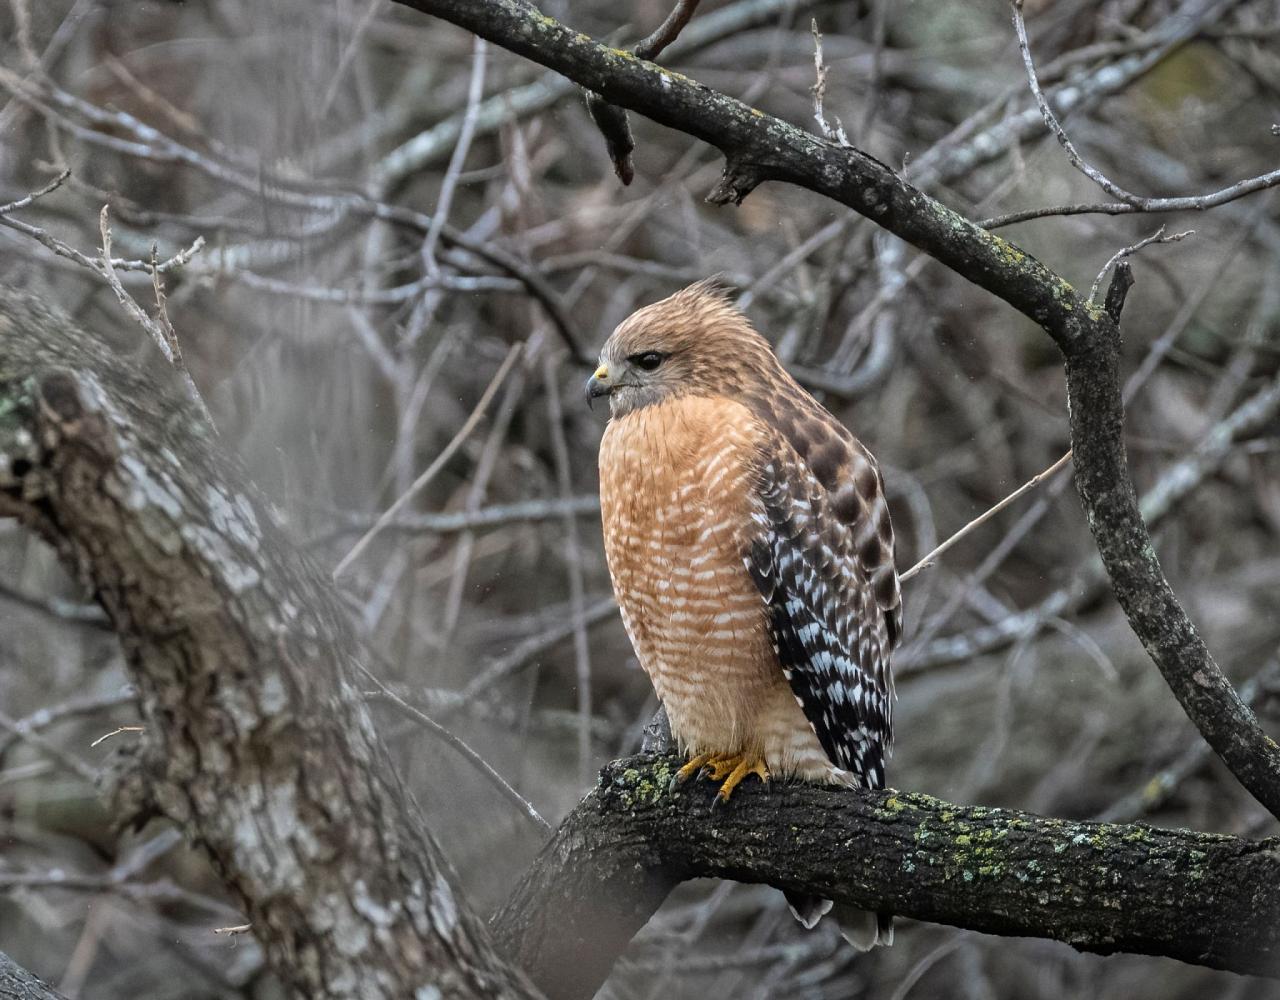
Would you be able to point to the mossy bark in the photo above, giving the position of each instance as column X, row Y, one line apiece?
column 1101, row 887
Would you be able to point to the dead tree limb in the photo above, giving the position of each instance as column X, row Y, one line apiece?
column 758, row 148
column 257, row 743
column 1100, row 887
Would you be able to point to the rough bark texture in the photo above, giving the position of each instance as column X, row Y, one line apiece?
column 1203, row 898
column 16, row 983
column 1167, row 633
column 256, row 743
column 758, row 147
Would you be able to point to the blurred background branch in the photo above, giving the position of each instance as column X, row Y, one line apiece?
column 309, row 145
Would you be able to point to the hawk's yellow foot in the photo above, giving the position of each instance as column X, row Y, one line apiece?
column 696, row 763
column 730, row 769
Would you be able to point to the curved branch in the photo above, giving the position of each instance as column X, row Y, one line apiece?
column 758, row 147
column 1203, row 898
column 258, row 745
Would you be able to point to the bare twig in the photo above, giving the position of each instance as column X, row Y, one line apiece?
column 835, row 133
column 47, row 747
column 148, row 143
column 573, row 561
column 668, row 31
column 53, row 185
column 525, row 653
column 43, row 718
column 452, row 522
column 981, row 519
column 612, row 120
column 434, row 468
column 164, row 339
column 62, row 249
column 116, row 732
column 444, row 201
column 1155, row 238
column 464, row 749
column 1139, row 202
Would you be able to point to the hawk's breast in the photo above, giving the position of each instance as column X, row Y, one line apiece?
column 677, row 492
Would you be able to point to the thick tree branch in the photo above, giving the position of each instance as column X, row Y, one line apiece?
column 258, row 744
column 1202, row 898
column 16, row 983
column 758, row 147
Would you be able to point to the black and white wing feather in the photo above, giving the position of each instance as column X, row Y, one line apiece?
column 832, row 636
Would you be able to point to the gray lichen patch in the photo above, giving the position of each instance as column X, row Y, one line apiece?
column 233, row 516
column 443, row 907
column 141, row 487
column 236, row 574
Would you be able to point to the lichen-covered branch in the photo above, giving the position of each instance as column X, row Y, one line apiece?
column 757, row 148
column 256, row 742
column 1203, row 898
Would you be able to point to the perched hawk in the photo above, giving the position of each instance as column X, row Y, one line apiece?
column 751, row 553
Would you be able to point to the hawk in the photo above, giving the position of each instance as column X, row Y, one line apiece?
column 751, row 553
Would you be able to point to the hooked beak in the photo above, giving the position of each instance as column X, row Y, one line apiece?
column 598, row 384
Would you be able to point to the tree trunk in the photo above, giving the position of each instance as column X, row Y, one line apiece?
column 256, row 741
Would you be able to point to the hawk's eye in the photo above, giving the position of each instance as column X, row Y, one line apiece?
column 648, row 361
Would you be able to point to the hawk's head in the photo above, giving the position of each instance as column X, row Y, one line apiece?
column 694, row 342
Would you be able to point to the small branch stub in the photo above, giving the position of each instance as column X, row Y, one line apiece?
column 738, row 181
column 1121, row 282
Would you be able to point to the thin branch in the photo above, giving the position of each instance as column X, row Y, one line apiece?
column 452, row 522
column 835, row 132
column 523, row 806
column 434, row 468
column 53, row 185
column 1052, row 211
column 56, row 246
column 154, row 329
column 525, row 653
column 981, row 519
column 149, row 143
column 27, row 734
column 444, row 200
column 1139, row 202
column 1157, row 237
column 1174, row 485
column 612, row 120
column 668, row 31
column 573, row 562
column 43, row 718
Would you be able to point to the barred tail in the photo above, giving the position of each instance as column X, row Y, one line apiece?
column 861, row 928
